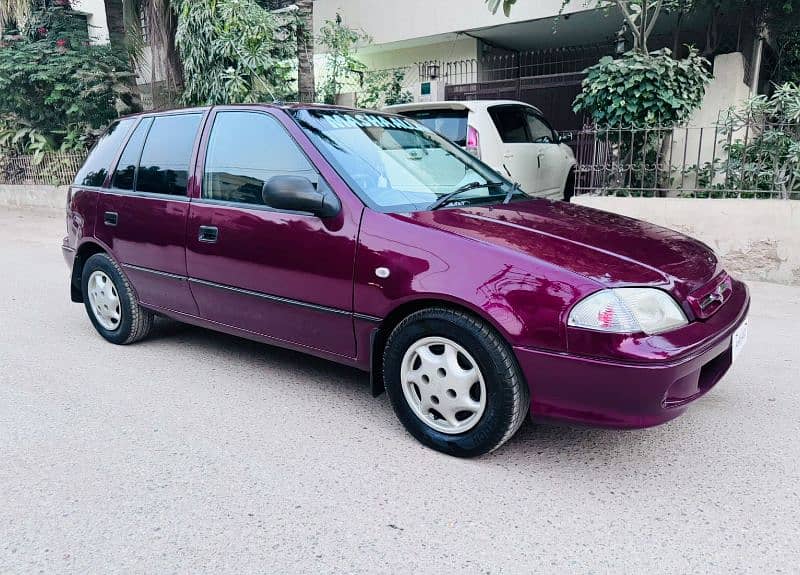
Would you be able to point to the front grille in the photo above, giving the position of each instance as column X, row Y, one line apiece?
column 710, row 298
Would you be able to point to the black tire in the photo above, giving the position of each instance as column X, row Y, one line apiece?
column 507, row 394
column 136, row 322
column 569, row 187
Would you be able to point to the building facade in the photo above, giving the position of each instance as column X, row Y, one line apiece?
column 459, row 50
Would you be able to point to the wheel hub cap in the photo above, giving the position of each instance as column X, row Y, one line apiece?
column 104, row 300
column 443, row 385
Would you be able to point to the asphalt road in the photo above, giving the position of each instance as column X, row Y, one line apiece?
column 199, row 452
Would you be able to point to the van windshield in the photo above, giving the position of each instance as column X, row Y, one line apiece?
column 396, row 164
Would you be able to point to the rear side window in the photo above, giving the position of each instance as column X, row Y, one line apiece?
column 451, row 124
column 246, row 150
column 164, row 165
column 129, row 160
column 95, row 169
column 511, row 123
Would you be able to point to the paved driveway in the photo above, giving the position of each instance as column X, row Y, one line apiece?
column 199, row 452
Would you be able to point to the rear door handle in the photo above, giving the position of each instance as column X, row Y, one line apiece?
column 208, row 234
column 110, row 218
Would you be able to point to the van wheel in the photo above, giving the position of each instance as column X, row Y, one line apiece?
column 454, row 383
column 569, row 187
column 111, row 302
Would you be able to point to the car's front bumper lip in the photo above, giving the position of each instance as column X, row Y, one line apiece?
column 624, row 394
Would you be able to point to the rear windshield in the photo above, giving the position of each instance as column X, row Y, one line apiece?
column 452, row 124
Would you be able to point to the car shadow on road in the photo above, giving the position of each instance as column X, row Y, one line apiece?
column 536, row 443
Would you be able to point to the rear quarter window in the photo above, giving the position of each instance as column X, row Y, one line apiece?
column 94, row 171
column 451, row 124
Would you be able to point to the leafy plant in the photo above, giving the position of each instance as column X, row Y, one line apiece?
column 384, row 88
column 57, row 90
column 341, row 64
column 762, row 141
column 233, row 51
column 643, row 90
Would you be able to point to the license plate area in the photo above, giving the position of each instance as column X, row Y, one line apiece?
column 739, row 339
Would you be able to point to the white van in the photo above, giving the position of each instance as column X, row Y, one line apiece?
column 512, row 137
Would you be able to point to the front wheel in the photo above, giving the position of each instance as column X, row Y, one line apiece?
column 454, row 383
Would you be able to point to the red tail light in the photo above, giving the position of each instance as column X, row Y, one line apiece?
column 473, row 142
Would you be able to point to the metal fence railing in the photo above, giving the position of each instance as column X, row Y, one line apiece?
column 52, row 168
column 753, row 160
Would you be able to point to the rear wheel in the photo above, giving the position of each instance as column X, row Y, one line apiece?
column 454, row 383
column 111, row 302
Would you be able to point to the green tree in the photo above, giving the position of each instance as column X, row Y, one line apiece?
column 233, row 51
column 384, row 88
column 341, row 63
column 56, row 88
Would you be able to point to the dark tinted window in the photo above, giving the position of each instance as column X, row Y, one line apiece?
column 452, row 124
column 512, row 123
column 95, row 170
column 541, row 133
column 246, row 150
column 164, row 167
column 126, row 167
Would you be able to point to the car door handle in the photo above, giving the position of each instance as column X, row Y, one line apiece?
column 508, row 155
column 208, row 234
column 110, row 218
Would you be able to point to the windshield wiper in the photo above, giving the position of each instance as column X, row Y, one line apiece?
column 514, row 189
column 447, row 198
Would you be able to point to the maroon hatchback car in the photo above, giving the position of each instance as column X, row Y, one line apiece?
column 369, row 240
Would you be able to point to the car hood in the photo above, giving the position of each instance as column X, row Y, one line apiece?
column 613, row 250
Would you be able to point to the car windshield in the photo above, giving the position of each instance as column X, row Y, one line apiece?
column 397, row 164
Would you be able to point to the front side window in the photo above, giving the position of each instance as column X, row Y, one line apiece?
column 541, row 133
column 246, row 150
column 164, row 166
column 511, row 123
column 95, row 169
column 397, row 164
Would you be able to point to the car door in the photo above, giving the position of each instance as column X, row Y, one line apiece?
column 520, row 158
column 549, row 156
column 142, row 215
column 285, row 275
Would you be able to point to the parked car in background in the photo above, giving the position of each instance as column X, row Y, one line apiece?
column 370, row 240
column 512, row 137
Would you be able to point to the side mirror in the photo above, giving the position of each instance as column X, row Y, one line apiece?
column 565, row 137
column 299, row 194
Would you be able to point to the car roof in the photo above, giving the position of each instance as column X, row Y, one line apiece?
column 273, row 105
column 471, row 105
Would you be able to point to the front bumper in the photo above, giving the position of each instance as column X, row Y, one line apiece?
column 633, row 394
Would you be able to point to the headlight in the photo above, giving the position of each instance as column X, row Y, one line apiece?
column 628, row 310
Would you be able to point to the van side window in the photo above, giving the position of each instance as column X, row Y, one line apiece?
column 245, row 150
column 511, row 124
column 129, row 160
column 94, row 171
column 541, row 133
column 164, row 166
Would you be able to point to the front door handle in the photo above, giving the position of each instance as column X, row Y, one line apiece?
column 110, row 218
column 208, row 234
column 539, row 157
